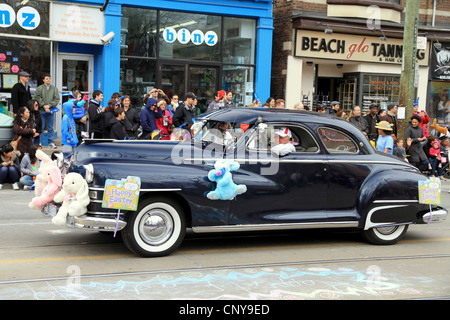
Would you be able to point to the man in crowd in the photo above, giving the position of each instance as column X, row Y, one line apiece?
column 20, row 92
column 279, row 103
column 335, row 106
column 185, row 112
column 47, row 96
column 372, row 120
column 95, row 112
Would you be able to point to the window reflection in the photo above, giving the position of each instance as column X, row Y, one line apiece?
column 138, row 77
column 239, row 40
column 139, row 32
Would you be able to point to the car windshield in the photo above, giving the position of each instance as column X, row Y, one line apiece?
column 219, row 132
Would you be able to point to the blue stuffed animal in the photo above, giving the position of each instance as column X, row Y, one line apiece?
column 226, row 189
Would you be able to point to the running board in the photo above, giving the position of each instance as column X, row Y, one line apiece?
column 274, row 226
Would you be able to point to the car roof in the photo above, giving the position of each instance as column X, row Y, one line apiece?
column 251, row 116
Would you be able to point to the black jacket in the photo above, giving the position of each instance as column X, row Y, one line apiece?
column 19, row 96
column 183, row 116
column 95, row 117
column 132, row 121
column 117, row 130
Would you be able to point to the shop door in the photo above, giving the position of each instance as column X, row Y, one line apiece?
column 73, row 72
column 181, row 78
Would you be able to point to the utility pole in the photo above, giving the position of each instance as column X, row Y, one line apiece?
column 409, row 62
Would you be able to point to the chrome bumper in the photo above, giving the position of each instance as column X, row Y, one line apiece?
column 435, row 216
column 94, row 223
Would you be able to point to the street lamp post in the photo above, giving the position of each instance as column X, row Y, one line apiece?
column 409, row 61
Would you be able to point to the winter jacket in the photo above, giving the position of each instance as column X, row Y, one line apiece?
column 20, row 95
column 46, row 96
column 118, row 130
column 80, row 112
column 184, row 115
column 415, row 151
column 132, row 121
column 165, row 131
column 148, row 117
column 95, row 117
column 68, row 126
column 25, row 130
column 108, row 115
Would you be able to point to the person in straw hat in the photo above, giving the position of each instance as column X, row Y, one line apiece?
column 385, row 142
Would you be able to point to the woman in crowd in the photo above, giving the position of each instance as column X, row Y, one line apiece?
column 417, row 156
column 165, row 122
column 24, row 127
column 29, row 167
column 132, row 120
column 35, row 117
column 9, row 166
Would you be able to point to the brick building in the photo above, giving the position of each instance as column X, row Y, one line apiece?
column 351, row 51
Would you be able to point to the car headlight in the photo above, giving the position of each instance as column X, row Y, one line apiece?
column 89, row 172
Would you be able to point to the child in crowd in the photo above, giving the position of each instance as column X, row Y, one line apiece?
column 435, row 158
column 399, row 150
column 79, row 115
column 385, row 142
column 69, row 137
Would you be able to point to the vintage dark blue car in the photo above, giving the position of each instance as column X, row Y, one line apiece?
column 334, row 179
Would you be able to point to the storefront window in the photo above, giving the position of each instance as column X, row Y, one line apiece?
column 32, row 56
column 139, row 32
column 239, row 80
column 239, row 40
column 439, row 101
column 381, row 90
column 189, row 36
column 138, row 77
column 189, row 53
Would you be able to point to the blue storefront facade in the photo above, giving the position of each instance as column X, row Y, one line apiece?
column 173, row 45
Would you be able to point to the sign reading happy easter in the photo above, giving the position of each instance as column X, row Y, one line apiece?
column 430, row 191
column 122, row 194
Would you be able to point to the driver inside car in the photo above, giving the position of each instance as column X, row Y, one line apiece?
column 283, row 142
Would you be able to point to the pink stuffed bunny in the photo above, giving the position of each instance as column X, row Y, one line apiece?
column 52, row 176
column 46, row 163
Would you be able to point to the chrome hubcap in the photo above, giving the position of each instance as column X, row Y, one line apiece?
column 387, row 230
column 156, row 227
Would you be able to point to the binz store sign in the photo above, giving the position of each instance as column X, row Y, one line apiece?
column 310, row 44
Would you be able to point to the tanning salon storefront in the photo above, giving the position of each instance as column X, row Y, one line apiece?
column 132, row 46
column 352, row 69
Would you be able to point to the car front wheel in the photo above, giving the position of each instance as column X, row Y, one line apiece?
column 385, row 235
column 156, row 229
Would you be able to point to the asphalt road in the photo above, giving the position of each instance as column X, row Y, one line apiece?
column 41, row 261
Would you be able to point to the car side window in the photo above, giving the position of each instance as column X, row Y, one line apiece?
column 264, row 138
column 336, row 141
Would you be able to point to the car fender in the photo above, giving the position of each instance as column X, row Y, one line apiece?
column 393, row 190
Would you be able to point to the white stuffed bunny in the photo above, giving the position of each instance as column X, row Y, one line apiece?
column 74, row 196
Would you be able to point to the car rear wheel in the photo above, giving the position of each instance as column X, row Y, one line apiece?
column 385, row 235
column 156, row 229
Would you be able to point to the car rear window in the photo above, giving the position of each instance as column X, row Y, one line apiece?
column 337, row 141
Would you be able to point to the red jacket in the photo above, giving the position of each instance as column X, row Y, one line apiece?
column 165, row 130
